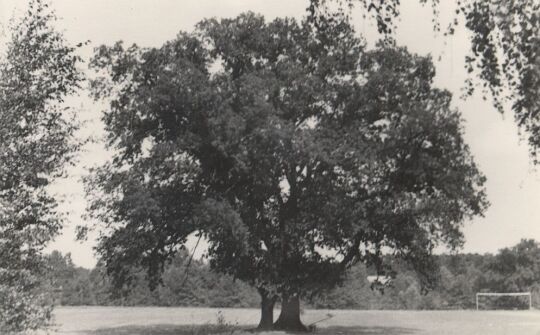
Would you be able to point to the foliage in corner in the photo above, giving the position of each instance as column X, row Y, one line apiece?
column 504, row 50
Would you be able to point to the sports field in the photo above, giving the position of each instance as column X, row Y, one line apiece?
column 184, row 321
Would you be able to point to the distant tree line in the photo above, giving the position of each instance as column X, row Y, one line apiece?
column 73, row 286
column 461, row 276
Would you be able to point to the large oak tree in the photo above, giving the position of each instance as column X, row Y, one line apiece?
column 294, row 153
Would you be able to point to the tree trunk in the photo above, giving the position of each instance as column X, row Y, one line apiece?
column 267, row 311
column 289, row 318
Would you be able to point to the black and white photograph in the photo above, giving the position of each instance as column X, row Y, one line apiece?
column 269, row 167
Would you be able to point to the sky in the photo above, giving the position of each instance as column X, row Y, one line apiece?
column 513, row 184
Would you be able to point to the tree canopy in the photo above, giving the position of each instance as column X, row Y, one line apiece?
column 295, row 154
column 37, row 71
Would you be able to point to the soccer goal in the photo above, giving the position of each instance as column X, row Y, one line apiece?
column 511, row 298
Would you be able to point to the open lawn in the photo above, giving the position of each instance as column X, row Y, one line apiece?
column 199, row 321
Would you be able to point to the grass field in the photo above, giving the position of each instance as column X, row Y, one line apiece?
column 188, row 321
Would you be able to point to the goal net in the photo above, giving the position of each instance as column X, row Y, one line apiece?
column 516, row 300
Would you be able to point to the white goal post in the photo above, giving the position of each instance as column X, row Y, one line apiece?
column 515, row 294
